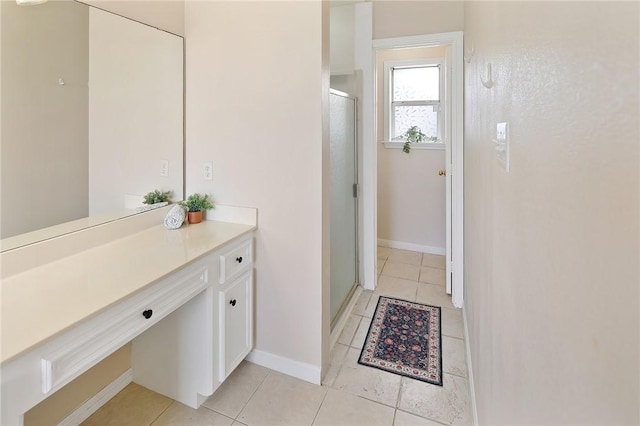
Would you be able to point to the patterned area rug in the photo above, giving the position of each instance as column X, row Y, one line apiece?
column 404, row 338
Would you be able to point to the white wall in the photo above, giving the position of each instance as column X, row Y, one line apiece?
column 44, row 132
column 552, row 248
column 411, row 195
column 400, row 18
column 254, row 107
column 135, row 80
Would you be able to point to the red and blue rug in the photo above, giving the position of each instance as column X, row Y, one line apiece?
column 404, row 338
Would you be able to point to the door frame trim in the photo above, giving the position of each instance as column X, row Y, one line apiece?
column 455, row 169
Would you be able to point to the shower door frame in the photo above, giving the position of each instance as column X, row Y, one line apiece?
column 349, row 296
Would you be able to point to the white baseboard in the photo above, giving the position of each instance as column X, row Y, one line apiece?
column 300, row 370
column 92, row 405
column 411, row 246
column 472, row 387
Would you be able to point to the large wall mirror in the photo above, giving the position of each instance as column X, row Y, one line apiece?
column 91, row 118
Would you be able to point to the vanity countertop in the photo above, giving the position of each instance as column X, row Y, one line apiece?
column 40, row 303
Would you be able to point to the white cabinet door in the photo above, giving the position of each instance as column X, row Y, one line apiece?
column 236, row 323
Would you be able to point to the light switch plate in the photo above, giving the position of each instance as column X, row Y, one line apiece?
column 502, row 144
column 208, row 170
column 164, row 168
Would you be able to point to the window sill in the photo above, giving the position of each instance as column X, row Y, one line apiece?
column 428, row 146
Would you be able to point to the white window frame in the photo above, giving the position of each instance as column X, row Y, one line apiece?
column 388, row 97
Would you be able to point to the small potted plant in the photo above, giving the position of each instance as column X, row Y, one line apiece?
column 195, row 205
column 157, row 196
column 415, row 135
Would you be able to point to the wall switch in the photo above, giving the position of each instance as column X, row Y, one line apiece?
column 164, row 168
column 502, row 144
column 208, row 171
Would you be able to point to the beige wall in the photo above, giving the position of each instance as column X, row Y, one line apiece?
column 44, row 143
column 254, row 108
column 162, row 14
column 551, row 248
column 400, row 18
column 411, row 195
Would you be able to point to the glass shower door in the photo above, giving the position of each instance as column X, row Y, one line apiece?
column 343, row 200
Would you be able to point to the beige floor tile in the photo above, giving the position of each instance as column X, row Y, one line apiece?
column 233, row 394
column 447, row 404
column 401, row 270
column 405, row 256
column 349, row 329
column 406, row 419
column 433, row 275
column 434, row 260
column 361, row 333
column 380, row 266
column 396, row 287
column 371, row 307
column 338, row 353
column 383, row 252
column 452, row 323
column 453, row 356
column 283, row 400
column 363, row 301
column 367, row 382
column 435, row 295
column 342, row 408
column 134, row 405
column 181, row 415
column 237, row 423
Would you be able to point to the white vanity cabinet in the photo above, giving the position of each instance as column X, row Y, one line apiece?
column 213, row 332
column 235, row 316
column 235, row 307
column 185, row 304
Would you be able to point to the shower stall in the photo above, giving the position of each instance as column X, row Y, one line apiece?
column 344, row 201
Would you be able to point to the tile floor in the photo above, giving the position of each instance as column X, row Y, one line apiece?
column 351, row 394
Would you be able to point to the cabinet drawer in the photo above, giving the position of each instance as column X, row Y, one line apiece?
column 235, row 259
column 236, row 323
column 101, row 336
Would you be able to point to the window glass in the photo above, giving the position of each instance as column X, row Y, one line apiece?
column 416, row 84
column 425, row 117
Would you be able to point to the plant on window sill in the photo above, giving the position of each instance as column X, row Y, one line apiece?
column 415, row 135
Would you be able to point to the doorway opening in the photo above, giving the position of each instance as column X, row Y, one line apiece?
column 452, row 132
